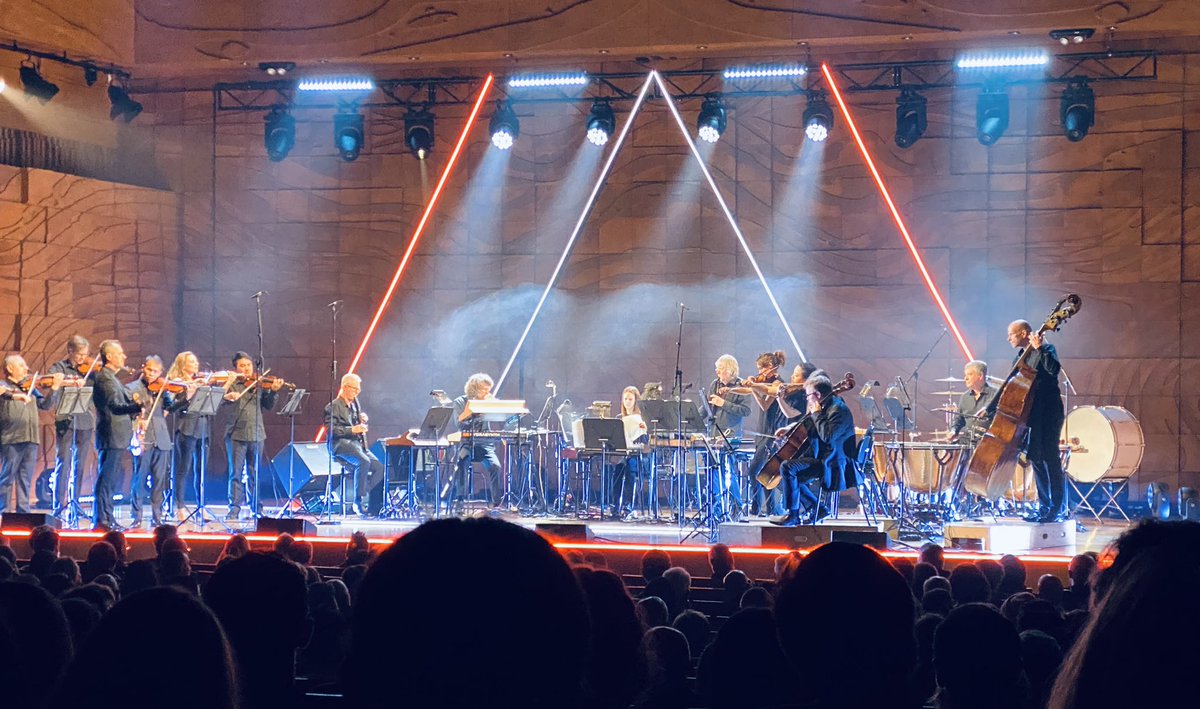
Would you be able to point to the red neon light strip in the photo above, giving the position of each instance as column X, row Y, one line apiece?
column 887, row 197
column 416, row 237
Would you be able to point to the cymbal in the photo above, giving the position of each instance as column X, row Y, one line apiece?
column 949, row 380
column 946, row 410
column 945, row 393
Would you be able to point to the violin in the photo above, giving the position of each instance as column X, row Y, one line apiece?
column 173, row 386
column 90, row 364
column 45, row 381
column 223, row 378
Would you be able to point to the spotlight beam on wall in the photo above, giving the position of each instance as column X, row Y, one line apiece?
column 662, row 87
column 420, row 228
column 583, row 215
column 891, row 205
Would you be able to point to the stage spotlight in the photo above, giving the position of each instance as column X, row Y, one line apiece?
column 1077, row 110
column 123, row 107
column 279, row 133
column 35, row 85
column 765, row 71
column 418, row 133
column 818, row 117
column 504, row 126
column 601, row 122
column 276, row 68
column 348, row 134
column 540, row 81
column 991, row 115
column 911, row 119
column 711, row 122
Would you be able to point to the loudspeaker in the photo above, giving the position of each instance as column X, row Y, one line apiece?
column 868, row 538
column 308, row 464
column 28, row 520
column 803, row 537
column 295, row 526
column 564, row 531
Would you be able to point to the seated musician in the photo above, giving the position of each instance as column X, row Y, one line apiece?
column 478, row 386
column 729, row 409
column 824, row 457
column 624, row 483
column 973, row 416
column 348, row 432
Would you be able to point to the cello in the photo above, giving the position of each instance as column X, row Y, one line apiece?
column 990, row 469
column 770, row 474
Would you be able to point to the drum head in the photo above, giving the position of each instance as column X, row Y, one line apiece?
column 1106, row 441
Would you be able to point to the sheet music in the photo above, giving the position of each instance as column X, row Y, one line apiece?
column 635, row 428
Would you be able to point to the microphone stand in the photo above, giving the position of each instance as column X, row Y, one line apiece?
column 914, row 377
column 333, row 387
column 255, row 506
column 681, row 469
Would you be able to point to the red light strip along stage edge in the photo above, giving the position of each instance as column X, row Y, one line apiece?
column 887, row 198
column 416, row 237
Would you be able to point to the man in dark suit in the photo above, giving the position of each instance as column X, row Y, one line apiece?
column 155, row 456
column 827, row 456
column 348, row 434
column 115, row 409
column 20, row 436
column 1045, row 423
column 246, row 431
column 74, row 450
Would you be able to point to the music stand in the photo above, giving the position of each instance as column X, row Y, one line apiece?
column 291, row 409
column 73, row 402
column 693, row 420
column 205, row 402
column 606, row 436
column 658, row 414
column 433, row 427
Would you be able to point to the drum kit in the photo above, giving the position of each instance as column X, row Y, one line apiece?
column 1101, row 449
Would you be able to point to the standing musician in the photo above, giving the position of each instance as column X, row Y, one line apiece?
column 155, row 456
column 1045, row 422
column 973, row 417
column 764, row 386
column 245, row 433
column 825, row 457
column 729, row 411
column 191, row 430
column 478, row 386
column 74, row 453
column 20, row 435
column 348, row 433
column 115, row 408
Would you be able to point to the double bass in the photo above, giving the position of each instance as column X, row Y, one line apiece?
column 990, row 469
column 794, row 438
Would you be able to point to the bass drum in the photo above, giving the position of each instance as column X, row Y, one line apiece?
column 1105, row 441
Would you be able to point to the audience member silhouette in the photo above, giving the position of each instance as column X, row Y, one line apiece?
column 261, row 602
column 68, row 567
column 977, row 656
column 358, row 550
column 1011, row 608
column 735, row 586
column 720, row 562
column 516, row 583
column 162, row 533
column 40, row 563
column 653, row 612
column 1080, row 571
column 139, row 576
column 35, row 644
column 100, row 596
column 235, row 547
column 1039, row 615
column 1149, row 588
column 840, row 594
column 1050, row 588
column 757, row 597
column 695, row 627
column 654, row 563
column 1013, row 580
column 668, row 659
column 120, row 545
column 924, row 678
column 56, row 584
column 1041, row 656
column 935, row 582
column 968, row 585
column 616, row 670
column 353, row 576
column 994, row 573
column 931, row 553
column 43, row 538
column 187, row 664
column 681, row 585
column 906, row 568
column 595, row 560
column 82, row 618
column 7, row 569
column 321, row 658
column 101, row 559
column 937, row 600
column 175, row 569
column 732, row 677
column 921, row 573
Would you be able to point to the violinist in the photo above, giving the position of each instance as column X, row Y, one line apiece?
column 729, row 409
column 348, row 434
column 20, row 399
column 478, row 386
column 151, row 428
column 191, row 429
column 825, row 457
column 1045, row 422
column 245, row 433
column 74, row 454
column 764, row 386
column 115, row 410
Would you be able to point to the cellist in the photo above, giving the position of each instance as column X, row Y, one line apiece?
column 1045, row 422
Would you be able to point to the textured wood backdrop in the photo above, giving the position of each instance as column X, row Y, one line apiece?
column 1005, row 231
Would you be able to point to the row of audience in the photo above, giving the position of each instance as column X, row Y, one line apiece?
column 479, row 612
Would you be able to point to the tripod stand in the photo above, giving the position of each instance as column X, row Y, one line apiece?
column 74, row 401
column 291, row 409
column 204, row 403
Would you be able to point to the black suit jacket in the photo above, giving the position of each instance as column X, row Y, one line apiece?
column 115, row 410
column 834, row 444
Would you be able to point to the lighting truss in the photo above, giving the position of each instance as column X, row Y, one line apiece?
column 831, row 83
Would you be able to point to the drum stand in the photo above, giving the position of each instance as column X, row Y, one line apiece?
column 1105, row 486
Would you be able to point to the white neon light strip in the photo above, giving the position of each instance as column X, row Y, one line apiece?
column 537, row 81
column 1004, row 59
column 330, row 84
column 583, row 215
column 765, row 71
column 728, row 214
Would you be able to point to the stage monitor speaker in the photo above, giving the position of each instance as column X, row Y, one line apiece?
column 28, row 520
column 868, row 538
column 804, row 536
column 295, row 526
column 564, row 531
column 307, row 463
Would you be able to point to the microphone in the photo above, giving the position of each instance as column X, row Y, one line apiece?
column 549, row 383
column 260, row 294
column 682, row 306
column 335, row 304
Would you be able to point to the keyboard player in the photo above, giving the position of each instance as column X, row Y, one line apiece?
column 478, row 386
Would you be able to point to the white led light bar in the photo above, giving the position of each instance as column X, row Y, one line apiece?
column 765, row 71
column 331, row 84
column 1004, row 59
column 537, row 81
